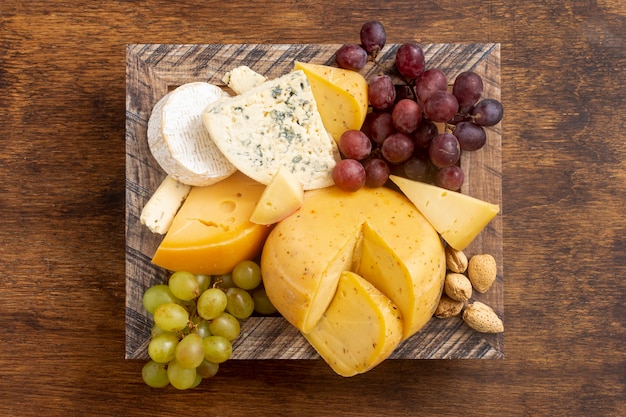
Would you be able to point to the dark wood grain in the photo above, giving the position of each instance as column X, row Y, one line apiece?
column 62, row 240
column 153, row 70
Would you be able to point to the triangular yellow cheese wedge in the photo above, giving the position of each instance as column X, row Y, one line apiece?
column 281, row 197
column 457, row 217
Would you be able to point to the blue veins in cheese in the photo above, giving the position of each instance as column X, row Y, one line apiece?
column 271, row 125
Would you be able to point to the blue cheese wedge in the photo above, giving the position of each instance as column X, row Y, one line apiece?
column 272, row 125
column 178, row 140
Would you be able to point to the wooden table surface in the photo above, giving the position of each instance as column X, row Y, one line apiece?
column 62, row 114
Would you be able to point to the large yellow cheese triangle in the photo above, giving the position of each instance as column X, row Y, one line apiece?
column 212, row 232
column 360, row 328
column 459, row 218
column 341, row 96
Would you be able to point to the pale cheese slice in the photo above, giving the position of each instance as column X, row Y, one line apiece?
column 159, row 212
column 272, row 125
column 242, row 79
column 283, row 196
column 360, row 328
column 178, row 140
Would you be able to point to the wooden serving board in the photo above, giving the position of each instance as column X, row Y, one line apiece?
column 154, row 69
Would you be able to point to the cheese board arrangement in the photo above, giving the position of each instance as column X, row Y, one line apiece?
column 154, row 70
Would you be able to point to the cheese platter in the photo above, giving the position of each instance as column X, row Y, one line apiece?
column 153, row 70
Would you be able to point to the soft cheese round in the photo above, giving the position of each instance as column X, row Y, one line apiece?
column 178, row 139
column 272, row 125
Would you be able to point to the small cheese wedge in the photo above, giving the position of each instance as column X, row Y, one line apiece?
column 159, row 212
column 178, row 140
column 274, row 124
column 457, row 217
column 360, row 328
column 211, row 232
column 281, row 197
column 341, row 96
column 242, row 79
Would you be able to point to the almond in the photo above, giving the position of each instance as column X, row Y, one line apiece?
column 482, row 271
column 482, row 318
column 457, row 286
column 448, row 307
column 456, row 260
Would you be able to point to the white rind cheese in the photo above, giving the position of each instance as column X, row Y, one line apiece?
column 159, row 212
column 178, row 140
column 242, row 79
column 275, row 124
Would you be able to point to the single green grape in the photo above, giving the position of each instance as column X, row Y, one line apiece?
column 225, row 325
column 197, row 382
column 204, row 281
column 211, row 303
column 190, row 351
column 157, row 295
column 217, row 349
column 202, row 329
column 247, row 275
column 239, row 303
column 262, row 303
column 223, row 281
column 162, row 348
column 184, row 285
column 154, row 374
column 171, row 317
column 179, row 376
column 207, row 369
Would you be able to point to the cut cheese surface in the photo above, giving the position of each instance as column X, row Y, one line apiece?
column 158, row 213
column 341, row 96
column 360, row 328
column 178, row 140
column 281, row 197
column 272, row 125
column 459, row 218
column 212, row 232
column 242, row 79
column 370, row 232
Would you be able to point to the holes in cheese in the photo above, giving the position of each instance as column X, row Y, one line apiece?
column 178, row 140
column 211, row 232
column 376, row 233
column 459, row 218
column 360, row 328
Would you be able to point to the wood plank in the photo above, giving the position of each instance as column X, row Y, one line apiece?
column 154, row 69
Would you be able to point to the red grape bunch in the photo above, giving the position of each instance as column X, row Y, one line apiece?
column 400, row 134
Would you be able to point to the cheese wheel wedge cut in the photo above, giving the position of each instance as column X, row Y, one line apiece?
column 360, row 328
column 272, row 125
column 179, row 141
column 376, row 233
column 459, row 218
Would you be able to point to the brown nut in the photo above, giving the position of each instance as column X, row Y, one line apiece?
column 457, row 286
column 448, row 307
column 482, row 272
column 456, row 260
column 482, row 318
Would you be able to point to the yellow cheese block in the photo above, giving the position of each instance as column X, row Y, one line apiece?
column 282, row 196
column 212, row 232
column 459, row 218
column 370, row 232
column 341, row 96
column 360, row 328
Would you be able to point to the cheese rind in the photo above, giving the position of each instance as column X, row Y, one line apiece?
column 360, row 328
column 281, row 197
column 211, row 232
column 159, row 212
column 179, row 141
column 274, row 124
column 459, row 218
